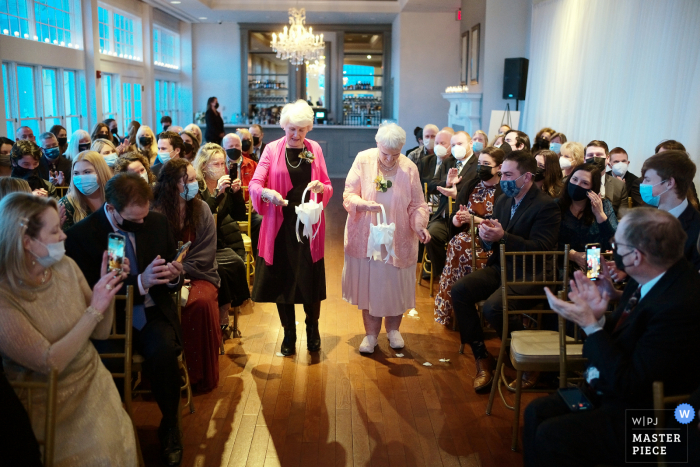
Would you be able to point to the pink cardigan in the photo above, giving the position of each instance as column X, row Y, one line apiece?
column 272, row 173
column 409, row 211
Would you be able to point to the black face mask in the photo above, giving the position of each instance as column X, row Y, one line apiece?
column 617, row 257
column 233, row 154
column 188, row 148
column 598, row 162
column 31, row 176
column 127, row 225
column 245, row 144
column 83, row 147
column 52, row 153
column 165, row 127
column 103, row 135
column 62, row 141
column 484, row 172
column 216, row 106
column 115, row 131
column 145, row 141
column 577, row 193
column 256, row 140
column 539, row 174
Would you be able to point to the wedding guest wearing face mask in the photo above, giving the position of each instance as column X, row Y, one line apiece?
column 25, row 133
column 548, row 176
column 672, row 144
column 53, row 167
column 5, row 151
column 517, row 140
column 499, row 140
column 49, row 315
column 166, row 122
column 610, row 187
column 190, row 146
column 257, row 133
column 532, row 221
column 556, row 141
column 147, row 143
column 107, row 150
column 429, row 166
column 214, row 121
column 619, row 163
column 571, row 155
column 134, row 162
column 25, row 159
column 430, row 131
column 666, row 179
column 384, row 285
column 476, row 199
column 79, row 141
column 61, row 136
column 170, row 146
column 196, row 131
column 101, row 131
column 86, row 193
column 480, row 140
column 246, row 143
column 290, row 268
column 237, row 165
column 113, row 127
column 190, row 220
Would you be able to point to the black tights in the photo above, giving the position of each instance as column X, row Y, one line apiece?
column 287, row 314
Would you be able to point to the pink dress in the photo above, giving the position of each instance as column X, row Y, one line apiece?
column 381, row 288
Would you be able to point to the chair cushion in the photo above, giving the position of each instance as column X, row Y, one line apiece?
column 539, row 347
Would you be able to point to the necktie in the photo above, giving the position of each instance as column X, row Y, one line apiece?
column 631, row 304
column 139, row 318
column 459, row 166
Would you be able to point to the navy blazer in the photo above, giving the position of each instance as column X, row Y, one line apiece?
column 690, row 221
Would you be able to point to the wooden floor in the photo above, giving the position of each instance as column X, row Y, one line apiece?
column 339, row 408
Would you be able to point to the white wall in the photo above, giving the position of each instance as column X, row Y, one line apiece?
column 216, row 68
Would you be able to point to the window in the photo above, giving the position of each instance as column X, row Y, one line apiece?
column 166, row 48
column 131, row 93
column 70, row 101
column 120, row 33
column 50, row 97
column 110, row 98
column 54, row 22
column 9, row 127
column 167, row 100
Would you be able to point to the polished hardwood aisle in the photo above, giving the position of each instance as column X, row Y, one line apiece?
column 337, row 407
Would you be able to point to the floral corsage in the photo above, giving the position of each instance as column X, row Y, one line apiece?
column 307, row 156
column 382, row 183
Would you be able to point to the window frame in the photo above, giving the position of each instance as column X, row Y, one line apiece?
column 158, row 55
column 76, row 27
column 167, row 100
column 137, row 33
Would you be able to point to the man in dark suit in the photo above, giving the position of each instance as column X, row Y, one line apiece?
column 458, row 173
column 651, row 336
column 610, row 187
column 256, row 131
column 524, row 219
column 169, row 144
column 149, row 245
column 618, row 163
column 54, row 166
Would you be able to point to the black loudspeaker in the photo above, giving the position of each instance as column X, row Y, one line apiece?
column 515, row 78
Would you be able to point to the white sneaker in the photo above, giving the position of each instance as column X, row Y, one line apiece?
column 368, row 344
column 395, row 339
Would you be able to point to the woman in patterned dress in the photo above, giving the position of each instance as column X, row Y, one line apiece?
column 475, row 199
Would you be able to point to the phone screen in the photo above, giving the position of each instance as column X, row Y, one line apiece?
column 592, row 262
column 115, row 251
column 575, row 399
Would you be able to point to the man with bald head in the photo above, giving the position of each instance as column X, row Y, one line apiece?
column 425, row 149
column 25, row 133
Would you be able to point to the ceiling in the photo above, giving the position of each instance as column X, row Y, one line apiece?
column 317, row 11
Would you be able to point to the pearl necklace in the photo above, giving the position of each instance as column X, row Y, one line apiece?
column 290, row 164
column 387, row 169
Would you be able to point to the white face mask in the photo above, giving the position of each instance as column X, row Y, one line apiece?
column 620, row 169
column 564, row 163
column 460, row 152
column 440, row 150
column 429, row 143
column 144, row 175
column 56, row 253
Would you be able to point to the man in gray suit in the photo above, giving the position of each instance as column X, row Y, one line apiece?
column 610, row 187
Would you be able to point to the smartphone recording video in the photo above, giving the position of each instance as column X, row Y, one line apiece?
column 115, row 252
column 593, row 261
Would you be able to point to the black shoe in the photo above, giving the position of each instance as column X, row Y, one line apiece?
column 171, row 444
column 290, row 341
column 313, row 338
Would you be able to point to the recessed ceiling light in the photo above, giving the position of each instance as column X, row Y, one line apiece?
column 202, row 17
column 369, row 56
column 175, row 3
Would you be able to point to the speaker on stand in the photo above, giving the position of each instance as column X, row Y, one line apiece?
column 515, row 79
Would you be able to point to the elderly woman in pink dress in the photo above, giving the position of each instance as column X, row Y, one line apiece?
column 289, row 268
column 383, row 285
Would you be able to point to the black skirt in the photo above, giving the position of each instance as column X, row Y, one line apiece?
column 234, row 286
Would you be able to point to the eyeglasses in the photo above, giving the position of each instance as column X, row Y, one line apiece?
column 631, row 247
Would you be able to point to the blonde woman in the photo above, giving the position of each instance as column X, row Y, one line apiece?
column 480, row 141
column 86, row 193
column 48, row 314
column 147, row 143
column 246, row 143
column 79, row 141
column 196, row 131
column 107, row 150
column 571, row 156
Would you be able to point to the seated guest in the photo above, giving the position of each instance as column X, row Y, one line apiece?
column 196, row 131
column 542, row 139
column 190, row 145
column 619, row 163
column 53, row 166
column 257, row 133
column 666, row 180
column 503, row 129
column 48, row 314
column 545, row 133
column 225, row 198
column 107, row 150
column 610, row 187
column 113, row 132
column 524, row 219
column 25, row 133
column 13, row 185
column 61, row 136
column 429, row 166
column 79, row 141
column 190, row 220
column 134, row 162
column 147, row 144
column 475, row 199
column 556, row 141
column 170, row 147
column 157, row 332
column 246, row 144
column 480, row 140
column 166, row 122
column 175, row 129
column 548, row 175
column 86, row 193
column 5, row 151
column 418, row 134
column 25, row 158
column 649, row 337
column 517, row 140
column 101, row 131
column 673, row 145
column 571, row 155
column 499, row 140
column 430, row 131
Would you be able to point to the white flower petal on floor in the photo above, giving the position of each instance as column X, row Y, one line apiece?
column 399, row 355
column 445, row 360
column 427, row 364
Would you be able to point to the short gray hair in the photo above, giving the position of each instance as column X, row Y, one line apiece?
column 47, row 135
column 655, row 233
column 391, row 136
column 230, row 136
column 297, row 113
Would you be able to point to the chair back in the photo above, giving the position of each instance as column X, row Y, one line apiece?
column 425, row 191
column 569, row 360
column 61, row 191
column 474, row 233
column 450, row 205
column 245, row 226
column 51, row 388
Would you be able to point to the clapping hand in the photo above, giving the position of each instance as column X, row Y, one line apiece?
column 453, row 177
column 614, row 273
column 491, row 230
column 121, row 149
column 461, row 217
column 40, row 192
column 597, row 206
column 452, row 191
column 588, row 304
column 56, row 177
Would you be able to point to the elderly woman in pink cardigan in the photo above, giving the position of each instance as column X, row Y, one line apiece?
column 289, row 268
column 382, row 285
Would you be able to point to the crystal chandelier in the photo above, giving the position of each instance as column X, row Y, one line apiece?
column 296, row 44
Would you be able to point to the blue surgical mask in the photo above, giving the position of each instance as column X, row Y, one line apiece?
column 477, row 146
column 56, row 252
column 646, row 190
column 52, row 153
column 164, row 157
column 510, row 188
column 111, row 159
column 191, row 190
column 556, row 147
column 86, row 184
